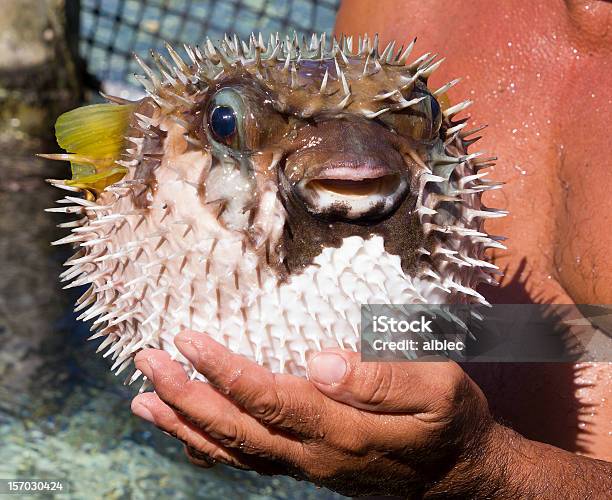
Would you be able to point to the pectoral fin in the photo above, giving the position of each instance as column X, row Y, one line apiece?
column 95, row 138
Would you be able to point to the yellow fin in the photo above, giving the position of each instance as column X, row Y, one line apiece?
column 98, row 182
column 96, row 136
column 96, row 131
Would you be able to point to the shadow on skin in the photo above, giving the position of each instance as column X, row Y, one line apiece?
column 538, row 400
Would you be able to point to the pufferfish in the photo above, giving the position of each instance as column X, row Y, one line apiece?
column 263, row 191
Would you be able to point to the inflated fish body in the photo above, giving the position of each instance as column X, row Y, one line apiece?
column 262, row 192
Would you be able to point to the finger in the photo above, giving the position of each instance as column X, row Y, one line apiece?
column 211, row 412
column 247, row 462
column 285, row 402
column 199, row 458
column 201, row 450
column 407, row 387
column 151, row 408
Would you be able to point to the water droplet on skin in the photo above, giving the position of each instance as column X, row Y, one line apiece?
column 520, row 170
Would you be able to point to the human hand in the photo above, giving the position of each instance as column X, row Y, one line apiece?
column 357, row 428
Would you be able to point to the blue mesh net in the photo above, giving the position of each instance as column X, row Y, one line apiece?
column 112, row 30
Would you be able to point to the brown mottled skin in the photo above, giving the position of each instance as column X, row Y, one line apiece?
column 539, row 73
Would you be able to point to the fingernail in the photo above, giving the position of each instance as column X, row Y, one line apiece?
column 187, row 349
column 143, row 412
column 327, row 368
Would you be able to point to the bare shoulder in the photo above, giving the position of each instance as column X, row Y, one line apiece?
column 584, row 208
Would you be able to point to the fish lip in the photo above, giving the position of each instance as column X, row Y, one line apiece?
column 393, row 185
column 354, row 170
column 374, row 194
column 388, row 185
column 353, row 173
column 351, row 169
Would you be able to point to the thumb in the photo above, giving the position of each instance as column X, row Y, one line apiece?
column 382, row 386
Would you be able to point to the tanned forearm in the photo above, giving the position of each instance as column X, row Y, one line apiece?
column 509, row 466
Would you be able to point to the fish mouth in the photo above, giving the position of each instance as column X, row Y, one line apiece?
column 354, row 191
column 384, row 185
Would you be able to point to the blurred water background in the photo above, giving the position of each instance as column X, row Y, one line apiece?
column 62, row 415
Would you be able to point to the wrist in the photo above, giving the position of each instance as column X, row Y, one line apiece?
column 486, row 467
column 506, row 466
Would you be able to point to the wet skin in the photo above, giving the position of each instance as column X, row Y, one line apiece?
column 540, row 76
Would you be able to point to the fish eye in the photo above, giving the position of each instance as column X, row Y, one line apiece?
column 436, row 113
column 421, row 122
column 223, row 123
column 227, row 120
column 238, row 119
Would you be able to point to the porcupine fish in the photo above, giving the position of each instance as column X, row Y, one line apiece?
column 263, row 190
